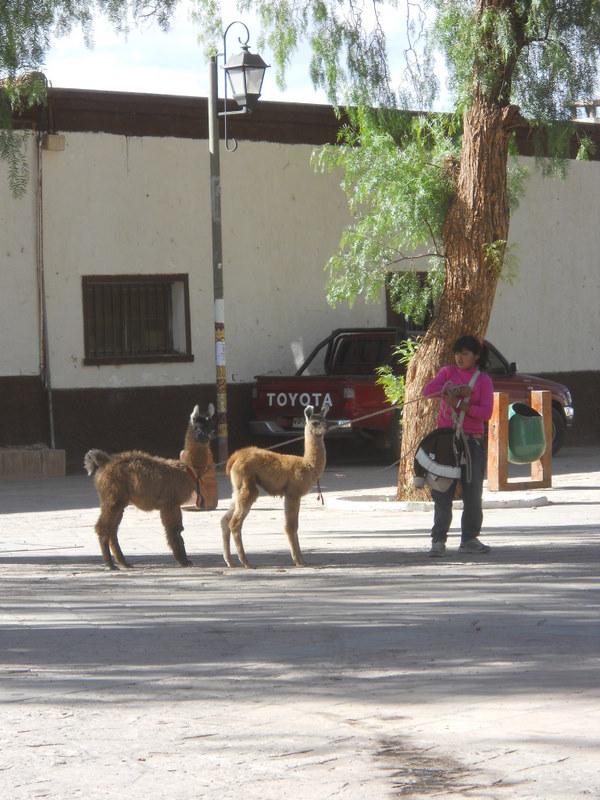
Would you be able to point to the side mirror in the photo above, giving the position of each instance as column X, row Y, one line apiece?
column 512, row 368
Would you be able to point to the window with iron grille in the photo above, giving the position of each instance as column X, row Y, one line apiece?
column 136, row 318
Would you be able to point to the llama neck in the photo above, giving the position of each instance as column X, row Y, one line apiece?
column 314, row 452
column 196, row 454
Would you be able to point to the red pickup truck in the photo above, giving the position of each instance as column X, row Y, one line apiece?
column 341, row 371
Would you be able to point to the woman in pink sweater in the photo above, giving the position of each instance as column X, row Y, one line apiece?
column 452, row 383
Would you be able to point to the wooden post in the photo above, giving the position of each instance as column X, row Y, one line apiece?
column 541, row 471
column 497, row 464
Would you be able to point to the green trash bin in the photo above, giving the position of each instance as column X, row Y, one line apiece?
column 526, row 438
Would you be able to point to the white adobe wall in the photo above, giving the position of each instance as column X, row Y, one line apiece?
column 19, row 354
column 141, row 205
column 115, row 205
column 548, row 319
column 275, row 250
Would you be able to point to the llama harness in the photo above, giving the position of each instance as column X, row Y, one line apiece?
column 205, row 485
column 193, row 475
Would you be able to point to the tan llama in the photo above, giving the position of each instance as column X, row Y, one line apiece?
column 154, row 483
column 291, row 477
column 197, row 455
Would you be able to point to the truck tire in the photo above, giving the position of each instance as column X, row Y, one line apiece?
column 558, row 430
column 393, row 440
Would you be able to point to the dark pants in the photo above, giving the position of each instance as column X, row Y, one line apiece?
column 472, row 515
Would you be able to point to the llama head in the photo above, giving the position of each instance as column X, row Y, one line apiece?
column 203, row 425
column 315, row 420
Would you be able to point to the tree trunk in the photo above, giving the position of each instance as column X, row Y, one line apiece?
column 475, row 234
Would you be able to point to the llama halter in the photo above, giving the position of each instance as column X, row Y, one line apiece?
column 193, row 475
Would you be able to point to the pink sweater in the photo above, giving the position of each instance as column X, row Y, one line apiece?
column 479, row 409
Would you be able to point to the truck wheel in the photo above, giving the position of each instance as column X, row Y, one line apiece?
column 393, row 440
column 558, row 430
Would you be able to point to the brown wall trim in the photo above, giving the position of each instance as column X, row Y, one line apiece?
column 132, row 114
column 152, row 419
column 135, row 114
column 585, row 391
column 155, row 418
column 23, row 411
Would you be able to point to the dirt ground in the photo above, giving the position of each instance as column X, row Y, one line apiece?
column 375, row 672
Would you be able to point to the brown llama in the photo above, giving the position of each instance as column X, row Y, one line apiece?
column 154, row 483
column 289, row 476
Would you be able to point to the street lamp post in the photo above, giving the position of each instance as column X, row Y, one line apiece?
column 244, row 73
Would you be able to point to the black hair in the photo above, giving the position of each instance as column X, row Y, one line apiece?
column 473, row 345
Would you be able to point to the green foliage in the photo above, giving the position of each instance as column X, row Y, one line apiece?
column 26, row 27
column 517, row 175
column 587, row 148
column 349, row 58
column 414, row 297
column 13, row 152
column 559, row 58
column 17, row 95
column 477, row 48
column 538, row 54
column 494, row 255
column 393, row 379
column 397, row 168
column 395, row 175
column 509, row 268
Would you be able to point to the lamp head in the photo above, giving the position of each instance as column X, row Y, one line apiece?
column 245, row 73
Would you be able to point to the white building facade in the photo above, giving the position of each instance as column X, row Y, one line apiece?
column 117, row 216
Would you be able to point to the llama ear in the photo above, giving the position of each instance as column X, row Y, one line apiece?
column 325, row 409
column 308, row 412
column 211, row 410
column 195, row 413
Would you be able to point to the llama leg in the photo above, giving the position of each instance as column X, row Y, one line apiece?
column 173, row 524
column 225, row 521
column 117, row 552
column 292, row 509
column 244, row 499
column 106, row 530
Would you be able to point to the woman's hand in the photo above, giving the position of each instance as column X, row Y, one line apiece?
column 456, row 396
column 451, row 398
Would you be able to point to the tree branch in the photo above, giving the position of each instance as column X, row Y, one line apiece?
column 431, row 233
column 401, row 257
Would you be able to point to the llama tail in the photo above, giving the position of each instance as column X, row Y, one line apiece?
column 231, row 461
column 95, row 460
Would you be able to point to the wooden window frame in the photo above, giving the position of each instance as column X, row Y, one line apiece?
column 92, row 359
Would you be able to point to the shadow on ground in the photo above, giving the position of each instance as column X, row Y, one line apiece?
column 371, row 626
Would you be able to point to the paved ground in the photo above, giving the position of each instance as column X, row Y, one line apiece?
column 375, row 672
